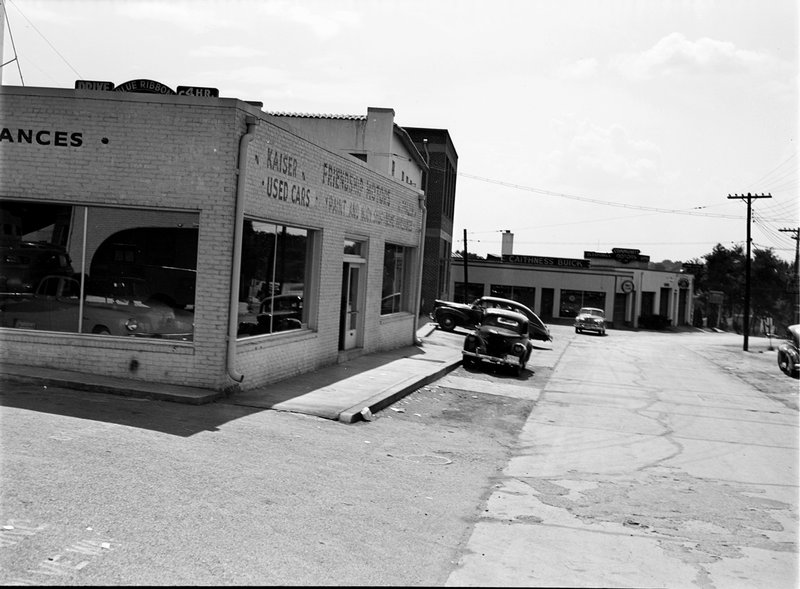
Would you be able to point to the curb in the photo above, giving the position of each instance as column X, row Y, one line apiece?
column 392, row 395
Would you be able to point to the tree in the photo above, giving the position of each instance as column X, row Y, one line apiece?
column 725, row 269
column 470, row 255
column 769, row 288
column 770, row 278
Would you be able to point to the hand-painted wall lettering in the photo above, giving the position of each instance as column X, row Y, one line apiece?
column 42, row 137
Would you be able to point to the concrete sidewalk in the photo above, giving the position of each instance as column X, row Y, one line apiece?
column 348, row 392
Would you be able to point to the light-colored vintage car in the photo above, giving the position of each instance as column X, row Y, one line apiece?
column 116, row 306
column 590, row 319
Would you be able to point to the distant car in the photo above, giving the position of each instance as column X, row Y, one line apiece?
column 501, row 338
column 281, row 312
column 590, row 319
column 113, row 307
column 788, row 354
column 277, row 313
column 450, row 315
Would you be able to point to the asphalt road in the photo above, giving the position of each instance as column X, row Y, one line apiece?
column 436, row 490
column 649, row 461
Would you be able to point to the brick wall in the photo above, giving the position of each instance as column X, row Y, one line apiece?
column 178, row 155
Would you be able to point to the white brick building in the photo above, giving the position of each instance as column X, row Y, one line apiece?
column 620, row 282
column 220, row 208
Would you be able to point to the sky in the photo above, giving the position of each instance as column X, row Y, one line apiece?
column 579, row 125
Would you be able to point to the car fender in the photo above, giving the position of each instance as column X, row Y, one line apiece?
column 460, row 317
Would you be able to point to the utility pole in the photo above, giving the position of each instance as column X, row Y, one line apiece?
column 795, row 287
column 466, row 268
column 749, row 199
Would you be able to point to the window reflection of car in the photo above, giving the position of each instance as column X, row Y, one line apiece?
column 788, row 354
column 391, row 303
column 24, row 263
column 501, row 338
column 450, row 315
column 115, row 307
column 277, row 313
column 590, row 319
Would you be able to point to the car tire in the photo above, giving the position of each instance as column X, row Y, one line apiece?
column 520, row 369
column 448, row 323
column 785, row 364
column 469, row 361
column 577, row 330
column 101, row 330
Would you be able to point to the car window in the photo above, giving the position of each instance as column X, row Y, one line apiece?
column 504, row 321
column 49, row 287
column 71, row 289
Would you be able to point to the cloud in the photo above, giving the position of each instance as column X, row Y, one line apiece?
column 318, row 17
column 233, row 51
column 675, row 55
column 195, row 17
column 583, row 68
column 592, row 157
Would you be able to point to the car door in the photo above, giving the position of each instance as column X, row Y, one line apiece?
column 63, row 300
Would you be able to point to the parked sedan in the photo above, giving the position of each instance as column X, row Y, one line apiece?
column 501, row 338
column 450, row 315
column 590, row 319
column 108, row 308
column 788, row 354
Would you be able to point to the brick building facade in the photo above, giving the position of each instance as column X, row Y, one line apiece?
column 151, row 180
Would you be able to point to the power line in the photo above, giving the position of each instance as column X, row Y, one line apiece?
column 13, row 46
column 765, row 176
column 46, row 40
column 692, row 212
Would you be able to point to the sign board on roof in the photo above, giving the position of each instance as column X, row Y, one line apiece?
column 94, row 85
column 143, row 86
column 545, row 261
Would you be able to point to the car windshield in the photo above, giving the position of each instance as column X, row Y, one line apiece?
column 122, row 290
column 593, row 312
column 502, row 321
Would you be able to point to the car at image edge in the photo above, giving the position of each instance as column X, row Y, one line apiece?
column 788, row 354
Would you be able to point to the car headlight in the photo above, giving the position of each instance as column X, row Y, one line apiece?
column 518, row 349
column 131, row 325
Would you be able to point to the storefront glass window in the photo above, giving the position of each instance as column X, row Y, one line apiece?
column 394, row 293
column 274, row 274
column 473, row 291
column 98, row 270
column 525, row 295
column 573, row 300
column 353, row 247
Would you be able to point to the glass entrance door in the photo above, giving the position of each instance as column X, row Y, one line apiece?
column 351, row 306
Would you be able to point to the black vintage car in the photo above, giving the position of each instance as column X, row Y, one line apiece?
column 501, row 338
column 450, row 315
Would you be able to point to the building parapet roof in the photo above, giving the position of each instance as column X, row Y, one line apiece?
column 301, row 115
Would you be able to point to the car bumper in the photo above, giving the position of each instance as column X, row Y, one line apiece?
column 507, row 360
column 590, row 327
